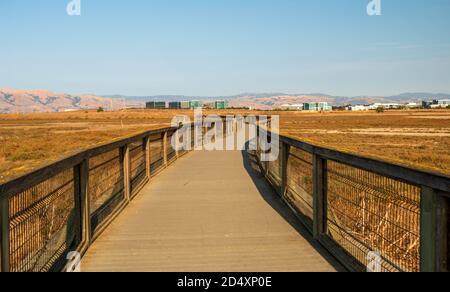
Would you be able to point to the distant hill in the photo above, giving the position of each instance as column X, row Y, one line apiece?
column 419, row 96
column 12, row 100
column 26, row 101
column 270, row 101
column 223, row 97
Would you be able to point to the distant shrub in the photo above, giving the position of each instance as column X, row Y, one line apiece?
column 100, row 110
column 380, row 110
column 448, row 107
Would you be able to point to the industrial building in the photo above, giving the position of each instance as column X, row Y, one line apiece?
column 194, row 104
column 221, row 104
column 292, row 107
column 185, row 105
column 209, row 105
column 156, row 105
column 358, row 108
column 375, row 106
column 317, row 106
column 174, row 105
column 309, row 106
column 442, row 103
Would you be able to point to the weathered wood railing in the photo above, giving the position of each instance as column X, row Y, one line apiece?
column 366, row 212
column 66, row 205
column 357, row 207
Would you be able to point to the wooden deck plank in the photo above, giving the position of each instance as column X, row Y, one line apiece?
column 210, row 211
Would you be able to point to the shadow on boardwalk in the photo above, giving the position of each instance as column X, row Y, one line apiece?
column 253, row 169
column 211, row 212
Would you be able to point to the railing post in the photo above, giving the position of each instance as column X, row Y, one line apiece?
column 267, row 163
column 433, row 231
column 320, row 195
column 147, row 157
column 176, row 144
column 193, row 137
column 83, row 202
column 126, row 172
column 4, row 235
column 165, row 148
column 284, row 159
column 235, row 134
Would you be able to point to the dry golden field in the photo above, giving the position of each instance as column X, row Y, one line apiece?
column 415, row 138
column 28, row 141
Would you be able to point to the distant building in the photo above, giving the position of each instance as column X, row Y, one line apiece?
column 340, row 107
column 221, row 104
column 317, row 106
column 185, row 105
column 292, row 107
column 156, row 105
column 412, row 105
column 208, row 105
column 375, row 106
column 174, row 105
column 194, row 104
column 426, row 104
column 442, row 103
column 356, row 108
column 310, row 106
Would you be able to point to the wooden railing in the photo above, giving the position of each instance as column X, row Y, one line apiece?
column 355, row 206
column 366, row 212
column 66, row 205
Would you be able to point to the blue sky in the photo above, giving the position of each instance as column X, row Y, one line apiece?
column 224, row 47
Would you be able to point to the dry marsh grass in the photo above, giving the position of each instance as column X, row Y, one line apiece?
column 28, row 141
column 415, row 138
column 366, row 211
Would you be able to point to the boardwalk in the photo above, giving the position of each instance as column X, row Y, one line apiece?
column 210, row 211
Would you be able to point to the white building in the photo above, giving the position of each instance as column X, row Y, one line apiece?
column 442, row 103
column 292, row 107
column 412, row 105
column 385, row 106
column 358, row 108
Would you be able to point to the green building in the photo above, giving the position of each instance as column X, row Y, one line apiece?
column 317, row 106
column 194, row 104
column 221, row 104
column 156, row 105
column 174, row 105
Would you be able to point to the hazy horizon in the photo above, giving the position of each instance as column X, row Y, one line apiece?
column 220, row 95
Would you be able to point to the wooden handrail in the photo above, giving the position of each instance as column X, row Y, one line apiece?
column 45, row 172
column 434, row 198
column 435, row 187
column 393, row 170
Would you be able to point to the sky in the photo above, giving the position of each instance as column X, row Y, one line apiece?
column 226, row 47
